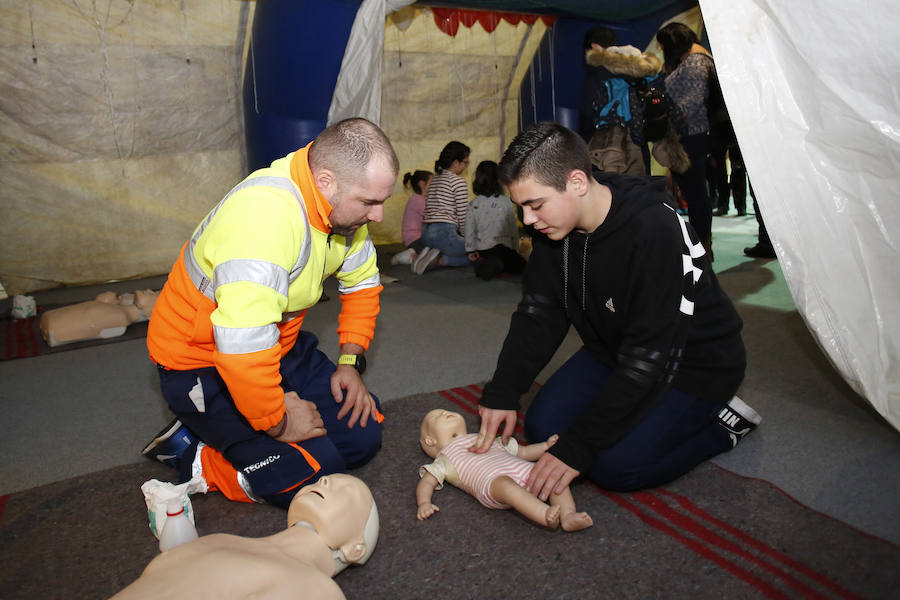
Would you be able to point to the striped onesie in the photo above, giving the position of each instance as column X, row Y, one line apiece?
column 475, row 472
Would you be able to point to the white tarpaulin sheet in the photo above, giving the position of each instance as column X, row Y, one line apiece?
column 812, row 89
column 120, row 127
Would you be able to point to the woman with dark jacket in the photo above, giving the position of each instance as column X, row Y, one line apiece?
column 689, row 69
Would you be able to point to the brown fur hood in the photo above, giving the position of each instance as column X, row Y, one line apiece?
column 628, row 65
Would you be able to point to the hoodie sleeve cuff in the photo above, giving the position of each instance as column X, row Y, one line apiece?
column 491, row 398
column 574, row 454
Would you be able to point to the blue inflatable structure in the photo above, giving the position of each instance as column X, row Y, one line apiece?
column 293, row 63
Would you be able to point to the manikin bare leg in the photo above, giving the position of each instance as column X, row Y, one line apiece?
column 507, row 491
column 561, row 510
column 570, row 520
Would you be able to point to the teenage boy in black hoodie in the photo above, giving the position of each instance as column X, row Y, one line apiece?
column 651, row 393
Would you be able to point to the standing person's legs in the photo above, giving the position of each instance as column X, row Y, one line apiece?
column 738, row 180
column 763, row 247
column 763, row 233
column 716, row 173
column 693, row 185
column 444, row 237
column 678, row 434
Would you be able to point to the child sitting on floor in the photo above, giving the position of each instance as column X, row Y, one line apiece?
column 492, row 229
column 411, row 227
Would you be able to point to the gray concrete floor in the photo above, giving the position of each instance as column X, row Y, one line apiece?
column 86, row 410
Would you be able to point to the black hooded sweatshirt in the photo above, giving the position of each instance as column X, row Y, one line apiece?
column 645, row 302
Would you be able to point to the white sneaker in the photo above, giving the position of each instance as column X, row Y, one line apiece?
column 403, row 258
column 425, row 260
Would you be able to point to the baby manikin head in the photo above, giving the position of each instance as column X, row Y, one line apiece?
column 438, row 429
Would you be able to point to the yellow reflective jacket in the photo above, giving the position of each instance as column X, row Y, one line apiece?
column 237, row 294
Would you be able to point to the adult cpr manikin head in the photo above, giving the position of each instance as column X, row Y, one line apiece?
column 438, row 428
column 341, row 509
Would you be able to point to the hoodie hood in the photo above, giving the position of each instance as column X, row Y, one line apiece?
column 630, row 195
column 624, row 61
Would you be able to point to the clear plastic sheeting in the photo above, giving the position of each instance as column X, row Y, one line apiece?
column 811, row 86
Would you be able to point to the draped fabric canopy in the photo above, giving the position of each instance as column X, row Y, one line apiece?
column 590, row 10
column 448, row 20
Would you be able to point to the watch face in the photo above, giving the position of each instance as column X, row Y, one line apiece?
column 360, row 363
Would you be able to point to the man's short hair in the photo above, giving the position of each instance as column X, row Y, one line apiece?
column 548, row 152
column 347, row 147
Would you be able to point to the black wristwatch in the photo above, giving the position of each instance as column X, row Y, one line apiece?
column 357, row 361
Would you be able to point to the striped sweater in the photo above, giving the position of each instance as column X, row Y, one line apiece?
column 447, row 200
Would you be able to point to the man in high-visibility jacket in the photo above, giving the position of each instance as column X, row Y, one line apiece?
column 260, row 410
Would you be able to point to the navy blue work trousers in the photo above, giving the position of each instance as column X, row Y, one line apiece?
column 274, row 470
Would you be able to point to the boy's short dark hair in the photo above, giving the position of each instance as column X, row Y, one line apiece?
column 548, row 152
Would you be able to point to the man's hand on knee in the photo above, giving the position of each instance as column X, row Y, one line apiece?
column 301, row 421
column 357, row 397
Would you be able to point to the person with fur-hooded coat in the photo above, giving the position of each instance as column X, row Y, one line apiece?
column 605, row 60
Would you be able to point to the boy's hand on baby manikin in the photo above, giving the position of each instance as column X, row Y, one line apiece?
column 425, row 510
column 491, row 421
column 550, row 475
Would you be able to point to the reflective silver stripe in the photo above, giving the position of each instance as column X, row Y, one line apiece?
column 257, row 271
column 200, row 280
column 197, row 466
column 245, row 487
column 244, row 340
column 373, row 281
column 198, row 277
column 358, row 258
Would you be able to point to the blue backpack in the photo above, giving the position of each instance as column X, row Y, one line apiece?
column 617, row 110
column 648, row 121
